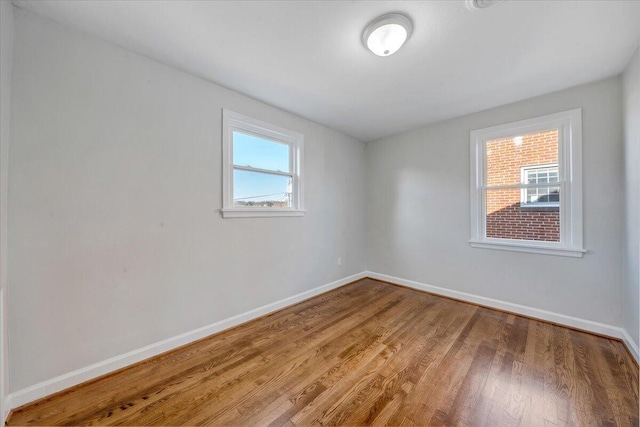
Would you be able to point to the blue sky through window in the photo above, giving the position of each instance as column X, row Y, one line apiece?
column 260, row 153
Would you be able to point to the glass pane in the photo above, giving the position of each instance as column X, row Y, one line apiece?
column 541, row 195
column 255, row 189
column 249, row 150
column 509, row 218
column 509, row 158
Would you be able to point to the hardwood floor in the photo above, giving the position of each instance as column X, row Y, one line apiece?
column 367, row 353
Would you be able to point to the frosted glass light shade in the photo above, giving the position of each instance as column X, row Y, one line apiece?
column 386, row 34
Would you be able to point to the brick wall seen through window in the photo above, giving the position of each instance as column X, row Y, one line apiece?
column 506, row 216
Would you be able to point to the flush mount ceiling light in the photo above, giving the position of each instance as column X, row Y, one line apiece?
column 387, row 33
column 481, row 4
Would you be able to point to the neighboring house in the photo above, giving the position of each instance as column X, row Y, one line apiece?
column 529, row 213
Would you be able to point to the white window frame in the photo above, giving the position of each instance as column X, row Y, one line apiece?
column 569, row 126
column 523, row 192
column 235, row 122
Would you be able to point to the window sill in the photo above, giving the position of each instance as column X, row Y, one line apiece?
column 517, row 246
column 260, row 213
column 540, row 206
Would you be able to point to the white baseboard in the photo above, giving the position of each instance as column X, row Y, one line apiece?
column 631, row 344
column 561, row 319
column 45, row 388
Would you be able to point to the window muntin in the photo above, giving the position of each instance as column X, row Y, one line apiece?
column 505, row 171
column 262, row 171
column 546, row 196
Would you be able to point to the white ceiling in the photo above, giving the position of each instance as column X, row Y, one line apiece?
column 307, row 57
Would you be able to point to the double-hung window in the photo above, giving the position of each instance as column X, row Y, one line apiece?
column 262, row 168
column 526, row 185
column 540, row 196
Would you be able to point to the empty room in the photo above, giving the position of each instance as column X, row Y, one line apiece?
column 341, row 213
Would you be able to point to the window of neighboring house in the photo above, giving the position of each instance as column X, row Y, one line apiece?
column 539, row 197
column 526, row 185
column 262, row 168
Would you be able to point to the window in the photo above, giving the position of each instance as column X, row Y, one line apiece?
column 536, row 197
column 526, row 185
column 262, row 168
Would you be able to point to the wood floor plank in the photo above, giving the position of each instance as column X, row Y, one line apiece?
column 266, row 376
column 347, row 356
column 369, row 353
column 329, row 379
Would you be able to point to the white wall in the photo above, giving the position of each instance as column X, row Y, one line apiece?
column 418, row 207
column 631, row 294
column 6, row 48
column 115, row 238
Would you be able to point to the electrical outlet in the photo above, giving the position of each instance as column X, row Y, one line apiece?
column 339, row 261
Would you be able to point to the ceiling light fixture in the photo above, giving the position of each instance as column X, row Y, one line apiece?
column 481, row 4
column 387, row 33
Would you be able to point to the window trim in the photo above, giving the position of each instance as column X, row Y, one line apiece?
column 232, row 121
column 569, row 125
column 523, row 191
